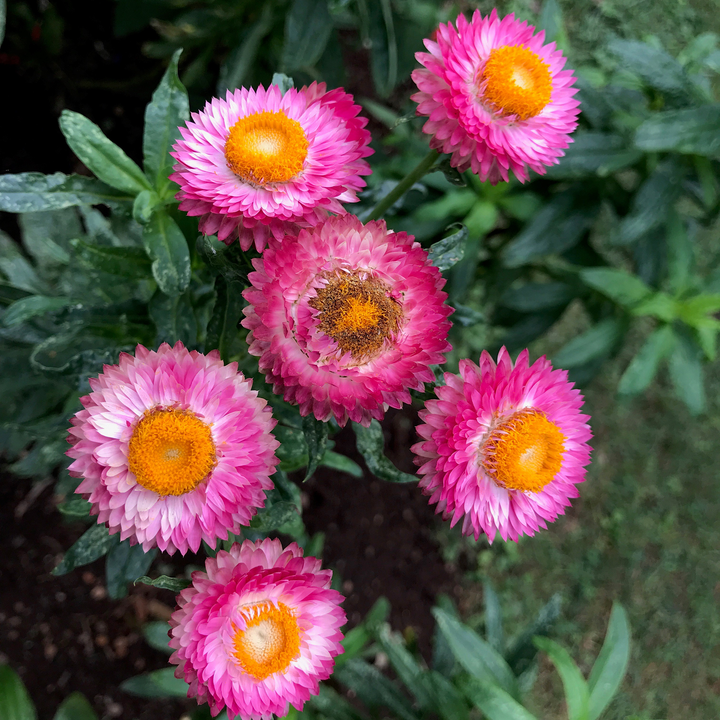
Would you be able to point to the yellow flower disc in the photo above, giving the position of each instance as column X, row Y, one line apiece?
column 266, row 147
column 517, row 81
column 171, row 451
column 357, row 314
column 525, row 452
column 270, row 641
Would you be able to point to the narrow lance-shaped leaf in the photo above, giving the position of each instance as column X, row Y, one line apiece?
column 30, row 307
column 102, row 156
column 611, row 664
column 167, row 248
column 35, row 192
column 125, row 563
column 15, row 703
column 75, row 707
column 308, row 25
column 371, row 445
column 450, row 250
column 168, row 110
column 157, row 684
column 494, row 702
column 316, row 437
column 690, row 131
column 92, row 545
column 686, row 373
column 164, row 582
column 644, row 365
column 577, row 694
column 478, row 657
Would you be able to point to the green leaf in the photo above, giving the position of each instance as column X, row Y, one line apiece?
column 35, row 192
column 92, row 545
column 316, row 438
column 234, row 70
column 577, row 694
column 343, row 463
column 383, row 57
column 174, row 319
column 450, row 250
column 373, row 688
column 282, row 81
column 658, row 68
column 557, row 227
column 3, row 17
column 223, row 324
column 293, row 452
column 493, row 701
column 308, row 25
column 274, row 516
column 167, row 248
column 594, row 153
column 694, row 311
column 478, row 657
column 128, row 262
column 407, row 668
column 157, row 684
column 641, row 371
column 75, row 507
column 596, row 342
column 691, row 131
column 371, row 445
column 686, row 373
column 29, row 307
column 611, row 664
column 156, row 635
column 377, row 615
column 659, row 305
column 493, row 617
column 15, row 703
column 125, row 563
column 75, row 707
column 109, row 163
column 625, row 289
column 551, row 21
column 144, row 206
column 164, row 582
column 46, row 235
column 353, row 643
column 449, row 703
column 651, row 204
column 680, row 253
column 165, row 113
column 532, row 297
column 18, row 271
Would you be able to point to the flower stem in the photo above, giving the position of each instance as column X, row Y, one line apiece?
column 420, row 170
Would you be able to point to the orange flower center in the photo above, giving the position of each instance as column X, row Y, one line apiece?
column 266, row 147
column 516, row 81
column 171, row 451
column 524, row 452
column 357, row 314
column 270, row 640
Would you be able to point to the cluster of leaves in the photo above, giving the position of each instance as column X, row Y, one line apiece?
column 467, row 671
column 243, row 43
column 611, row 229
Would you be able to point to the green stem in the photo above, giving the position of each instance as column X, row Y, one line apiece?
column 420, row 170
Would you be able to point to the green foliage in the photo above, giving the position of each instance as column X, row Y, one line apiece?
column 371, row 445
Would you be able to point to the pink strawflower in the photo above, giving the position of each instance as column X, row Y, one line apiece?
column 503, row 447
column 261, row 164
column 496, row 97
column 347, row 319
column 257, row 631
column 174, row 447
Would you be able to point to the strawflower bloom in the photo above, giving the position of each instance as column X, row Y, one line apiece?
column 174, row 447
column 496, row 97
column 347, row 319
column 257, row 630
column 503, row 447
column 261, row 164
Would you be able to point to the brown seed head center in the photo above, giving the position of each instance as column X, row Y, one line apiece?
column 357, row 314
